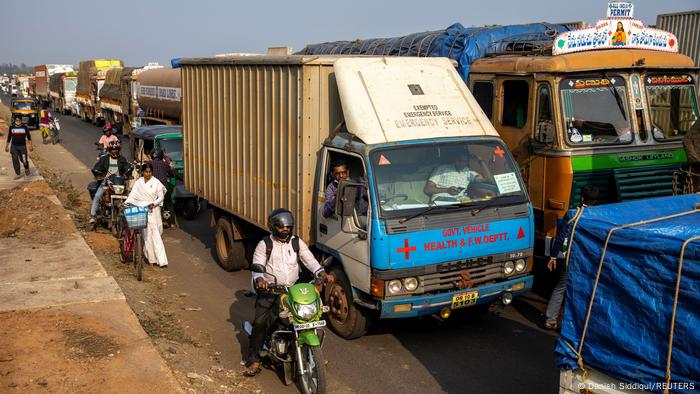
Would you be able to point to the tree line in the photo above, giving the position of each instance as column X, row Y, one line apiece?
column 9, row 69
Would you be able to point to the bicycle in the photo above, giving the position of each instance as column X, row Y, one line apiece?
column 131, row 244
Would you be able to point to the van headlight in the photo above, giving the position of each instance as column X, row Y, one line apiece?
column 520, row 265
column 508, row 267
column 306, row 311
column 410, row 283
column 394, row 286
column 118, row 189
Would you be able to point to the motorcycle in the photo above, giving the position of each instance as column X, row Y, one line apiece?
column 114, row 195
column 294, row 345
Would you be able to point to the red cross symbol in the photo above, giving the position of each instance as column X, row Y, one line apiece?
column 406, row 249
column 499, row 151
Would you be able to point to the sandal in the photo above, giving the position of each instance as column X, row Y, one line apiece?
column 551, row 326
column 251, row 372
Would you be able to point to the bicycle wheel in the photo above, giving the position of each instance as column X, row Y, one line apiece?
column 138, row 255
column 126, row 244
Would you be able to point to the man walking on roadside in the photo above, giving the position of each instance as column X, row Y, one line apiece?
column 18, row 139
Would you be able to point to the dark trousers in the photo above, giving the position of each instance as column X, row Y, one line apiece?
column 19, row 154
column 264, row 318
column 168, row 206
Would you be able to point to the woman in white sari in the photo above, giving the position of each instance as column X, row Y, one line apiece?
column 149, row 192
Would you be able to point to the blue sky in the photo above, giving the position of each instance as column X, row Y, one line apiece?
column 139, row 31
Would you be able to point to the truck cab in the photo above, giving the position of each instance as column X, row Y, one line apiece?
column 612, row 117
column 404, row 244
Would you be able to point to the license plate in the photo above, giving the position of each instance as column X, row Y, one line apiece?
column 463, row 300
column 306, row 326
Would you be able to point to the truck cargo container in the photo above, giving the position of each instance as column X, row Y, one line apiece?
column 42, row 74
column 262, row 132
column 686, row 27
column 62, row 92
column 115, row 98
column 91, row 77
column 159, row 96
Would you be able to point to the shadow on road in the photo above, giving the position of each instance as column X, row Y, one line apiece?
column 485, row 353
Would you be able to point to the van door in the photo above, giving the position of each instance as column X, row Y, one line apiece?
column 348, row 237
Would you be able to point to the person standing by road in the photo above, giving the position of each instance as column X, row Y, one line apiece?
column 589, row 197
column 280, row 254
column 18, row 140
column 149, row 192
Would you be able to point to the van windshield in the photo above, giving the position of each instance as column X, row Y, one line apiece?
column 672, row 104
column 23, row 105
column 595, row 110
column 412, row 178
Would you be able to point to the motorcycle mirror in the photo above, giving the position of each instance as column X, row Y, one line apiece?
column 258, row 268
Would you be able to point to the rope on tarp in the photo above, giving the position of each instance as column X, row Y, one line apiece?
column 600, row 268
column 673, row 316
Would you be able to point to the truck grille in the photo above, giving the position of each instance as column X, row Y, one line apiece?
column 440, row 282
column 623, row 184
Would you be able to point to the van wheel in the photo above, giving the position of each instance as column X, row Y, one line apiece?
column 230, row 254
column 346, row 318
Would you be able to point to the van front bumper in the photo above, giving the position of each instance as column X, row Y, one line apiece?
column 426, row 305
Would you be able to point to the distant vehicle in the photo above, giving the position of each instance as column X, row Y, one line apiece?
column 91, row 78
column 13, row 91
column 27, row 109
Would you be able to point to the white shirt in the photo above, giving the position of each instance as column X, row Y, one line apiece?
column 448, row 176
column 283, row 261
column 113, row 166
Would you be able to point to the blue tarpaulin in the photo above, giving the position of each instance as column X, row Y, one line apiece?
column 630, row 320
column 464, row 45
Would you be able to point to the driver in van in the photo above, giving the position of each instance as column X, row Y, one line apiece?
column 450, row 180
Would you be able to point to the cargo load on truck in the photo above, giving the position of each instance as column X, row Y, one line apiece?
column 461, row 44
column 159, row 96
column 115, row 97
column 632, row 307
column 42, row 74
column 90, row 81
column 62, row 92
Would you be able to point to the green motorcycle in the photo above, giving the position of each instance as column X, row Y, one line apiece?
column 294, row 344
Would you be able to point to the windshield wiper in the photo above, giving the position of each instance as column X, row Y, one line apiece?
column 492, row 201
column 429, row 209
column 616, row 94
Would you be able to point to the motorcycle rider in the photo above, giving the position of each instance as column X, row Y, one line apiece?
column 280, row 253
column 108, row 137
column 111, row 163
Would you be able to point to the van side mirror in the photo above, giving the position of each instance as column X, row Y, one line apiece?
column 346, row 197
column 258, row 268
column 545, row 133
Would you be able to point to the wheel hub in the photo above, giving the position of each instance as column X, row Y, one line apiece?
column 338, row 302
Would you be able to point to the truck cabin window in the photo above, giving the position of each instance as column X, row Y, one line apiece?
column 515, row 102
column 672, row 104
column 70, row 85
column 595, row 110
column 483, row 93
column 345, row 167
column 23, row 105
column 459, row 174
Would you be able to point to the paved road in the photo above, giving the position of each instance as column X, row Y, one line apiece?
column 503, row 351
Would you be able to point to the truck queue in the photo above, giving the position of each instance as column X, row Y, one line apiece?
column 458, row 163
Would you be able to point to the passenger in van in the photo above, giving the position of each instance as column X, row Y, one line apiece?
column 340, row 172
column 449, row 181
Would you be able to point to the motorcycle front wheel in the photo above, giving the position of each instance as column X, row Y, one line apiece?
column 313, row 380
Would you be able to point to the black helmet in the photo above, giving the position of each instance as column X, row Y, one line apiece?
column 281, row 217
column 157, row 154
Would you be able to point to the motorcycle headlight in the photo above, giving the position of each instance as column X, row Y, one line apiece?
column 508, row 267
column 118, row 189
column 410, row 283
column 520, row 265
column 306, row 311
column 394, row 286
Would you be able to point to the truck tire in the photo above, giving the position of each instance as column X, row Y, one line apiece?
column 346, row 318
column 230, row 254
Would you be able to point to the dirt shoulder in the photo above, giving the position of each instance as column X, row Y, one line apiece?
column 195, row 364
